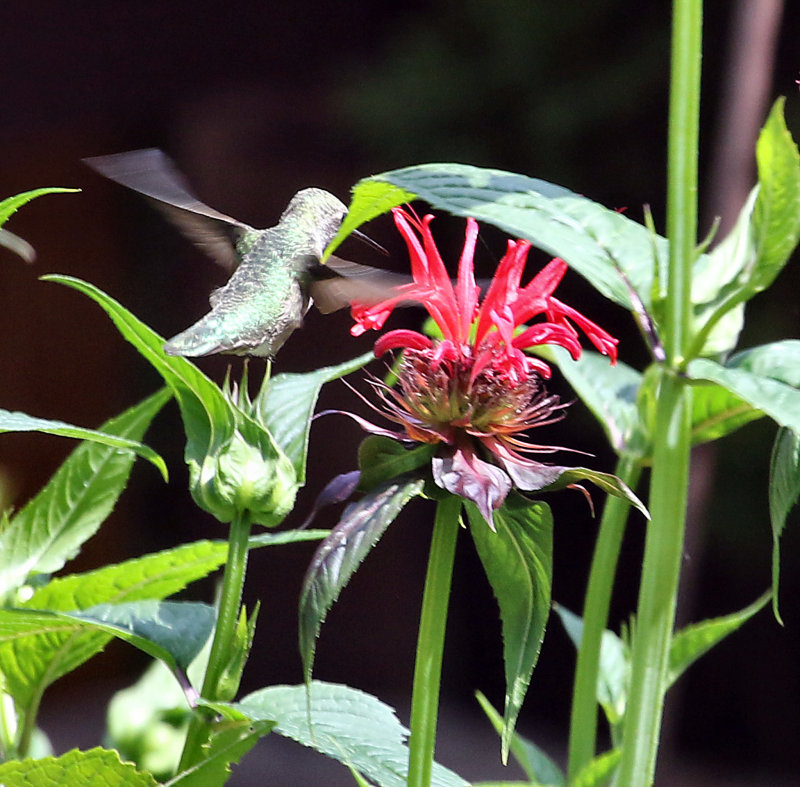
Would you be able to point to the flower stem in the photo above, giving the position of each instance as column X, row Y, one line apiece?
column 655, row 616
column 430, row 643
column 224, row 633
column 583, row 720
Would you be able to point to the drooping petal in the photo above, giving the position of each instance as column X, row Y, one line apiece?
column 403, row 339
column 601, row 339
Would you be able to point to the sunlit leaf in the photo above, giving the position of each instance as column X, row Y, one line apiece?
column 717, row 412
column 11, row 204
column 518, row 560
column 96, row 766
column 341, row 553
column 381, row 458
column 614, row 667
column 538, row 766
column 698, row 638
column 784, row 489
column 51, row 527
column 347, row 725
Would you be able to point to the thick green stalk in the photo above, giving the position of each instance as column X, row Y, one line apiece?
column 655, row 615
column 430, row 643
column 224, row 633
column 583, row 720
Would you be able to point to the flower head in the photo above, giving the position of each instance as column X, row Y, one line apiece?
column 475, row 389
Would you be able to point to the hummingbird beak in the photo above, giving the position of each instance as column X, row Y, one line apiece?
column 366, row 239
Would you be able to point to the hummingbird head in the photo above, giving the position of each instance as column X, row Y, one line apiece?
column 318, row 214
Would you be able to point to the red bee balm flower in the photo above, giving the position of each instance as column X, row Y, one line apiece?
column 475, row 389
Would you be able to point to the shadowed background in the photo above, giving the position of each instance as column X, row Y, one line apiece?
column 256, row 101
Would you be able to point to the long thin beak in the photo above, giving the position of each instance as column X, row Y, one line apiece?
column 366, row 239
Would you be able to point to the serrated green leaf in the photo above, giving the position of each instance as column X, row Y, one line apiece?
column 22, row 422
column 50, row 529
column 11, row 204
column 285, row 537
column 348, row 725
column 784, row 490
column 610, row 392
column 207, row 416
column 599, row 771
column 614, row 667
column 596, row 241
column 380, row 459
column 230, row 741
column 96, row 766
column 765, row 377
column 172, row 631
column 698, row 638
column 518, row 561
column 287, row 403
column 717, row 412
column 32, row 663
column 538, row 766
column 339, row 555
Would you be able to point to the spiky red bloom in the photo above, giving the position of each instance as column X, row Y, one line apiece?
column 475, row 386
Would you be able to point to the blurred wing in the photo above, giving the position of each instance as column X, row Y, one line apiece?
column 152, row 173
column 339, row 282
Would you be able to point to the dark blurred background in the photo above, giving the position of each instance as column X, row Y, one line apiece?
column 257, row 100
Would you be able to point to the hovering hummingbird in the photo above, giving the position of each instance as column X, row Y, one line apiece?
column 277, row 272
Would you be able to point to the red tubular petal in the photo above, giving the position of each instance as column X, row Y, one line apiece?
column 467, row 291
column 403, row 339
column 601, row 339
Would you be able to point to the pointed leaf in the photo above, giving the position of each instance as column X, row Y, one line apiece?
column 538, row 766
column 230, row 741
column 608, row 482
column 287, row 404
column 50, row 529
column 340, row 554
column 518, row 560
column 96, row 766
column 348, row 725
column 32, row 662
column 11, row 204
column 610, row 392
column 381, row 459
column 22, row 422
column 207, row 416
column 172, row 631
column 612, row 676
column 596, row 241
column 598, row 772
column 693, row 641
column 20, row 247
column 766, row 377
column 784, row 490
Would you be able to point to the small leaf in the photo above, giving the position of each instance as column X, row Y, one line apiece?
column 172, row 631
column 286, row 406
column 693, row 641
column 381, row 459
column 608, row 482
column 230, row 741
column 96, row 766
column 518, row 560
column 599, row 771
column 11, row 204
column 766, row 377
column 784, row 489
column 348, row 725
column 717, row 412
column 538, row 766
column 51, row 527
column 612, row 676
column 340, row 554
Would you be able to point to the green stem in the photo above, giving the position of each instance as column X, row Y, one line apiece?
column 430, row 643
column 655, row 616
column 583, row 720
column 224, row 634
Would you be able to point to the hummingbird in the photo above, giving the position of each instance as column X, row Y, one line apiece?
column 276, row 272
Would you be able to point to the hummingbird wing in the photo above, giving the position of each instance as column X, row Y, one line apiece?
column 338, row 283
column 152, row 173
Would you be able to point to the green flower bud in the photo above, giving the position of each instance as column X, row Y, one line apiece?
column 245, row 477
